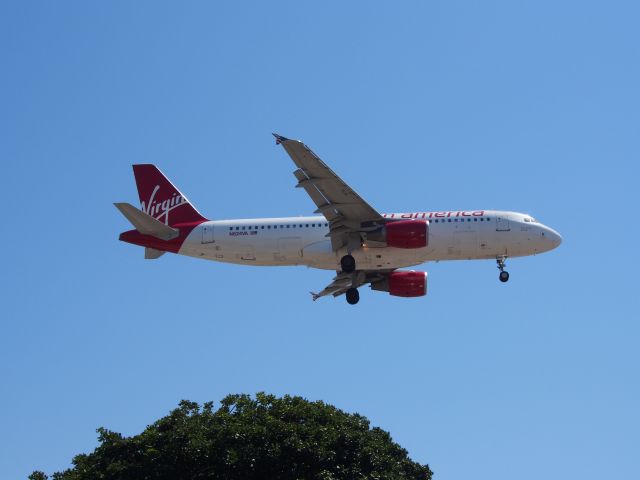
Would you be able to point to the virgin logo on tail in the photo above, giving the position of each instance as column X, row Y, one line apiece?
column 161, row 209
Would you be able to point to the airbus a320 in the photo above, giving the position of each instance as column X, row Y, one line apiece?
column 346, row 234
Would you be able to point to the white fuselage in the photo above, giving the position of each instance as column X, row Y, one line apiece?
column 453, row 235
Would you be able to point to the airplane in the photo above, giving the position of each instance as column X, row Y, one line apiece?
column 347, row 234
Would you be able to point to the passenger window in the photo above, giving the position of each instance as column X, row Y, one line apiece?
column 326, row 224
column 449, row 220
column 307, row 225
column 230, row 228
column 475, row 219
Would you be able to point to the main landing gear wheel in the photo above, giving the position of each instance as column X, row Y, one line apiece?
column 353, row 296
column 504, row 275
column 348, row 264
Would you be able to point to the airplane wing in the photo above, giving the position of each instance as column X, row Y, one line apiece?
column 347, row 213
column 344, row 281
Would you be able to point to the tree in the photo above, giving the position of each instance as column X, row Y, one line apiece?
column 37, row 476
column 262, row 438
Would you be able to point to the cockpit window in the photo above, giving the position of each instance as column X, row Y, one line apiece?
column 529, row 219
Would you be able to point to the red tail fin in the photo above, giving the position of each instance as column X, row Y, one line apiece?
column 161, row 199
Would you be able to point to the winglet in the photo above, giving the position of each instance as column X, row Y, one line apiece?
column 279, row 138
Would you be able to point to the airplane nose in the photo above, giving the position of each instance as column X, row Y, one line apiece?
column 552, row 236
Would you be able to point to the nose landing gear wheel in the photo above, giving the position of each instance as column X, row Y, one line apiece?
column 348, row 264
column 504, row 275
column 353, row 296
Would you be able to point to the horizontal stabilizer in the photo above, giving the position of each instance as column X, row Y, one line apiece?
column 152, row 253
column 146, row 224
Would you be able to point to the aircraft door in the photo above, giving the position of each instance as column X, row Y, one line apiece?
column 502, row 224
column 207, row 234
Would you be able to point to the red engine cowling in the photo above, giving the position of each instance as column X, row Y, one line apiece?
column 407, row 233
column 408, row 284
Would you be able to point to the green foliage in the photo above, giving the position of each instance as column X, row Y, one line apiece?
column 262, row 438
column 37, row 476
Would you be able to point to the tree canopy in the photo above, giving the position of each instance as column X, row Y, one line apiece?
column 245, row 438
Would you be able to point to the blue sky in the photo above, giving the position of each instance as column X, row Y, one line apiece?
column 526, row 106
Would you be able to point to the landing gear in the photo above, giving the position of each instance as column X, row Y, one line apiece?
column 353, row 296
column 504, row 275
column 348, row 264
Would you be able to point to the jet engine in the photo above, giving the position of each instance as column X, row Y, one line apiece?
column 403, row 234
column 403, row 284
